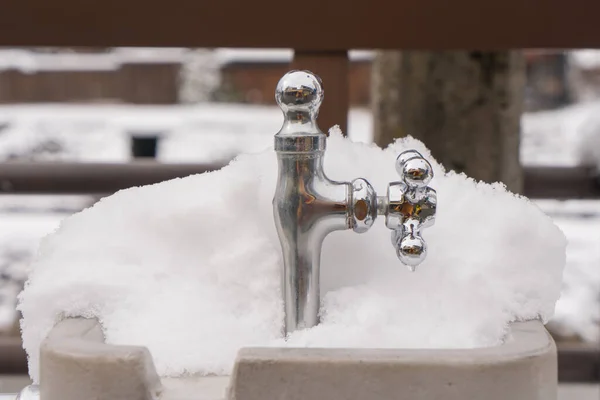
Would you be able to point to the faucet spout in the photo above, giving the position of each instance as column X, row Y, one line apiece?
column 307, row 206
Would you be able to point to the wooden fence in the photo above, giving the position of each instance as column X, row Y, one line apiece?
column 135, row 83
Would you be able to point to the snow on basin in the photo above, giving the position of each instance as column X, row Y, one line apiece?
column 190, row 267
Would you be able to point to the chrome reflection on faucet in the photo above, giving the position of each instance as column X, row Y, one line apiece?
column 307, row 205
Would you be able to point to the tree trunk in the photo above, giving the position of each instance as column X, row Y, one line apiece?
column 465, row 106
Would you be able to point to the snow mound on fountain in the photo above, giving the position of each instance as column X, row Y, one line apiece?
column 190, row 267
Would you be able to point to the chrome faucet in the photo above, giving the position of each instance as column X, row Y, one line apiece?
column 307, row 205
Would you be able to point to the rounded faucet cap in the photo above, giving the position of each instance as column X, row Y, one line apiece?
column 300, row 91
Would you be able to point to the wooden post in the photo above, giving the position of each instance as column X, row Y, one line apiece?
column 385, row 97
column 464, row 105
column 332, row 67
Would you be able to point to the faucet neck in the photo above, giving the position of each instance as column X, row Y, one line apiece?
column 299, row 122
column 300, row 134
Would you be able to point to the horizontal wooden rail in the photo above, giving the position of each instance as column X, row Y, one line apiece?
column 88, row 178
column 578, row 362
column 561, row 183
column 13, row 359
column 316, row 25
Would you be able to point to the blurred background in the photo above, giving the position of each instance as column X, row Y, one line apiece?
column 196, row 109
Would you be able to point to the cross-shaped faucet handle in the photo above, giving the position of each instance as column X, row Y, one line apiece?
column 409, row 206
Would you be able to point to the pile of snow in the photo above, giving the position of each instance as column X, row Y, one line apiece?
column 190, row 267
column 215, row 132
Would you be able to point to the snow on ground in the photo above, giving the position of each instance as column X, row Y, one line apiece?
column 215, row 132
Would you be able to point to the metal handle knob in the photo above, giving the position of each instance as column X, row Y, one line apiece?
column 410, row 207
column 299, row 94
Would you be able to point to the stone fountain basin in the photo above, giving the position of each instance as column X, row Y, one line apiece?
column 76, row 364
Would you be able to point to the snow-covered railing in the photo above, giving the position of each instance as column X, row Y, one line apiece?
column 28, row 61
